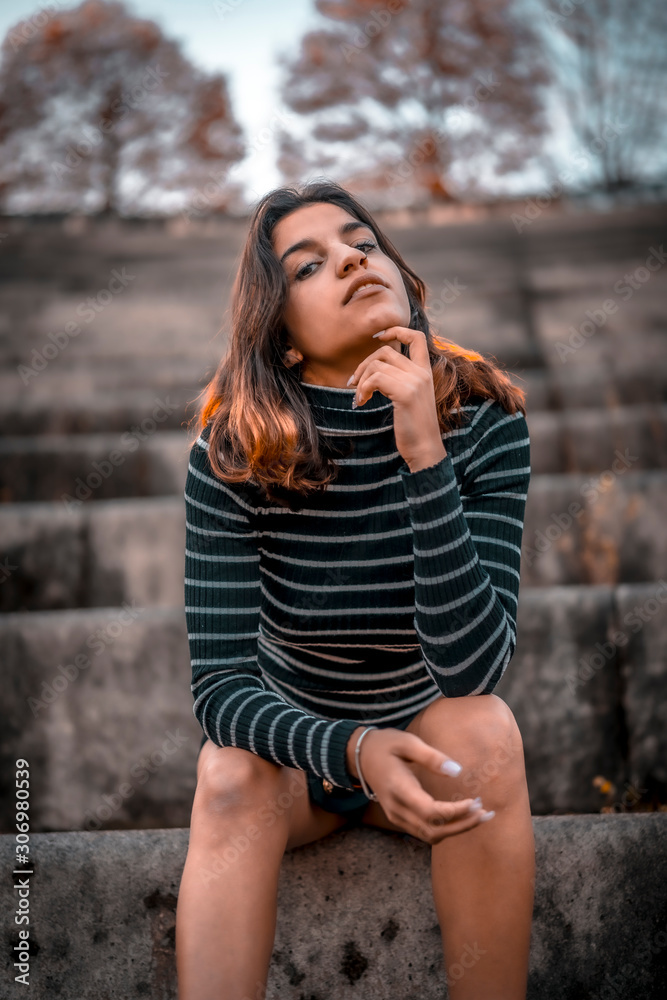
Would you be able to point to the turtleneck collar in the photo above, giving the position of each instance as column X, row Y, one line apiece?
column 333, row 411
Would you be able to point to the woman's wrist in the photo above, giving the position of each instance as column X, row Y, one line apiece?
column 428, row 459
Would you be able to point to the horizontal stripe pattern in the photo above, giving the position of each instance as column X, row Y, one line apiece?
column 362, row 603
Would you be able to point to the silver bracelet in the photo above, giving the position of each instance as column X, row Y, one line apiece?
column 366, row 790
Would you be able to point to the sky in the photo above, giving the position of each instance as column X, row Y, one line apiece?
column 239, row 38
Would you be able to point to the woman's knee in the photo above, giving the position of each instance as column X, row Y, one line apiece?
column 234, row 782
column 480, row 731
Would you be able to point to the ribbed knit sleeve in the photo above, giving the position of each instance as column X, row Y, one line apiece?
column 467, row 551
column 222, row 607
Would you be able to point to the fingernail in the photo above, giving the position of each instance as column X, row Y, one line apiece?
column 488, row 815
column 451, row 767
column 354, row 403
column 475, row 805
column 350, row 379
column 379, row 334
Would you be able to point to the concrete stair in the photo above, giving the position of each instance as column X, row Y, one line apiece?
column 96, row 679
column 584, row 687
column 142, row 462
column 579, row 529
column 355, row 914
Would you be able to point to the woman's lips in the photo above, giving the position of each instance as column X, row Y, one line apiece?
column 368, row 290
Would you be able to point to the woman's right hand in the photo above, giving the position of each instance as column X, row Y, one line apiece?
column 385, row 758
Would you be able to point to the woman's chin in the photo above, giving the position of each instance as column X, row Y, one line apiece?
column 382, row 319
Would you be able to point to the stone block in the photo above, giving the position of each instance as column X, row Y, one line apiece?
column 355, row 914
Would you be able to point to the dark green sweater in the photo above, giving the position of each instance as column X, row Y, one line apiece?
column 381, row 593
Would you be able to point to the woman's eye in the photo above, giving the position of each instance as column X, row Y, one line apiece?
column 301, row 273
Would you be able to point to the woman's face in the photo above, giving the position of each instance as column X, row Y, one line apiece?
column 331, row 331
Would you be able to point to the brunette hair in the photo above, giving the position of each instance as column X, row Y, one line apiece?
column 262, row 427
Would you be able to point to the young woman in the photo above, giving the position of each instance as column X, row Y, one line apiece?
column 355, row 504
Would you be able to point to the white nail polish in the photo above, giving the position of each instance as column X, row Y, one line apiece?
column 488, row 815
column 451, row 767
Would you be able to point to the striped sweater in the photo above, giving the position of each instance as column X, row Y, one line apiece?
column 381, row 593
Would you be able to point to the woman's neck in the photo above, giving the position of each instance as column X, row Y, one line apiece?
column 332, row 408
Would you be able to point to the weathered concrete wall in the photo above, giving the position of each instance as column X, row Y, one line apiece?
column 355, row 915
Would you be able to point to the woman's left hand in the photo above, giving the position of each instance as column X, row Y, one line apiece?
column 408, row 382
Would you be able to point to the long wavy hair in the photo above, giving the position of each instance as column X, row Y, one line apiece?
column 262, row 427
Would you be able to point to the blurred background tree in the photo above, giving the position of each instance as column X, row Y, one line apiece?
column 422, row 100
column 609, row 70
column 99, row 112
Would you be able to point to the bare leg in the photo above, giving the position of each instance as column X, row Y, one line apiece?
column 246, row 813
column 483, row 879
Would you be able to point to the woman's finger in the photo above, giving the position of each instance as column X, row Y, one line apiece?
column 412, row 801
column 384, row 353
column 415, row 339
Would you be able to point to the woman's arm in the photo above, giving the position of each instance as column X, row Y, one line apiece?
column 467, row 551
column 222, row 608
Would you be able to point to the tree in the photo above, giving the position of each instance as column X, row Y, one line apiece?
column 407, row 99
column 99, row 112
column 609, row 64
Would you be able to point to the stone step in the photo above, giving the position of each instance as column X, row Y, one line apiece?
column 76, row 468
column 106, row 412
column 146, row 460
column 605, row 528
column 116, row 396
column 99, row 701
column 584, row 439
column 355, row 913
column 592, row 439
column 577, row 530
column 57, row 386
column 93, row 555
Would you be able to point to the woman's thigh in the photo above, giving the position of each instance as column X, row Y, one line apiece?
column 288, row 796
